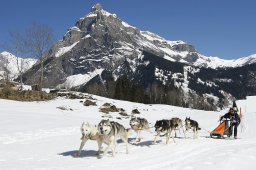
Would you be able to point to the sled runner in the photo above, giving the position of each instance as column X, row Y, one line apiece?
column 221, row 129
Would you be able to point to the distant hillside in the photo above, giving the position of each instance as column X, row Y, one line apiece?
column 8, row 64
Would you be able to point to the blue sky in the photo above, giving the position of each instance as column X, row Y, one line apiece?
column 223, row 28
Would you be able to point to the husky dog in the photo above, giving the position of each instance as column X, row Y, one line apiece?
column 164, row 126
column 178, row 124
column 89, row 132
column 138, row 124
column 192, row 124
column 110, row 131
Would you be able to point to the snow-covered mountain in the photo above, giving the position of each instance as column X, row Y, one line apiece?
column 215, row 62
column 39, row 135
column 177, row 51
column 8, row 63
column 102, row 51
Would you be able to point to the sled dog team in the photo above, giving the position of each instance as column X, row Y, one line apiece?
column 109, row 131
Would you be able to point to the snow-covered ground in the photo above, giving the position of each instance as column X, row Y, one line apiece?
column 39, row 136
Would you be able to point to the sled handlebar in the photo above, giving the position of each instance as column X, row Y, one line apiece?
column 224, row 119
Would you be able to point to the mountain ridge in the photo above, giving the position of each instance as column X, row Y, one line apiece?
column 8, row 63
column 101, row 51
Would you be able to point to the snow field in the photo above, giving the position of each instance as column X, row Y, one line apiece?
column 38, row 136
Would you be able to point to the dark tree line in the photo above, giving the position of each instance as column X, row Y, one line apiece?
column 154, row 93
column 124, row 89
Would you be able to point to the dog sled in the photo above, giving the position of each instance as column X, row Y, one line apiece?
column 222, row 130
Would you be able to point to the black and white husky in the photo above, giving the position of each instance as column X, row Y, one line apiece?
column 110, row 131
column 138, row 124
column 164, row 126
column 89, row 132
column 178, row 124
column 192, row 124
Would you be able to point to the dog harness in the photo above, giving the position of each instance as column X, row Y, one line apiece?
column 89, row 136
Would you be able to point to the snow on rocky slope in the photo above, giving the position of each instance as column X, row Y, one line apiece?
column 9, row 61
column 101, row 40
column 37, row 135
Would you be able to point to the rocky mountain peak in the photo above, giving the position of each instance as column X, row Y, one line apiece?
column 97, row 17
column 97, row 7
column 101, row 49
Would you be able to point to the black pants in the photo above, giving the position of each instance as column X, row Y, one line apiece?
column 235, row 125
